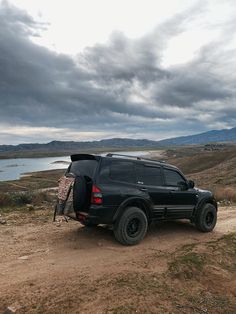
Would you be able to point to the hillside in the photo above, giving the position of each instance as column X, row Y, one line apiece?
column 57, row 148
column 71, row 145
column 214, row 136
column 211, row 169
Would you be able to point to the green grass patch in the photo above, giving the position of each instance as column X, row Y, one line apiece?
column 187, row 265
column 207, row 302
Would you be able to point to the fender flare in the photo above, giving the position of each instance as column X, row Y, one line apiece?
column 204, row 201
column 140, row 202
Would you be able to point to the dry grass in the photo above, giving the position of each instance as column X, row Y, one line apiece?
column 225, row 193
column 36, row 181
column 18, row 199
column 29, row 190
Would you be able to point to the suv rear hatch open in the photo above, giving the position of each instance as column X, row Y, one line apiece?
column 76, row 186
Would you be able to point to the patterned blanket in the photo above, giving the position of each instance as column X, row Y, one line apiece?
column 65, row 188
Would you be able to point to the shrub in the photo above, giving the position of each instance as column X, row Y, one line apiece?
column 23, row 198
column 4, row 200
column 41, row 197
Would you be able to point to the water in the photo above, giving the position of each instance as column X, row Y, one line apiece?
column 13, row 169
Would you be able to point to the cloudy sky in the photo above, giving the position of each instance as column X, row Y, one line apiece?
column 85, row 70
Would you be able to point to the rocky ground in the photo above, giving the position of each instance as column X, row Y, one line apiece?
column 62, row 267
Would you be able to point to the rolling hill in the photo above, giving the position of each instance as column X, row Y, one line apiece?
column 214, row 136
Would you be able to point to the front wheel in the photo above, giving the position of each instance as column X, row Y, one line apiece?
column 131, row 228
column 206, row 218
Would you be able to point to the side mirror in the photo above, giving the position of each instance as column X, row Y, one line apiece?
column 191, row 184
column 183, row 185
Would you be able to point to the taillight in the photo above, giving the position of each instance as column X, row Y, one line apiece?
column 96, row 196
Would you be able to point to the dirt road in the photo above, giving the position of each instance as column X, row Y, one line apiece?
column 63, row 267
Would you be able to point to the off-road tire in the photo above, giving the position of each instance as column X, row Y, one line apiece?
column 131, row 227
column 206, row 218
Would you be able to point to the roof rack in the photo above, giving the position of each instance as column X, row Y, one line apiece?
column 133, row 157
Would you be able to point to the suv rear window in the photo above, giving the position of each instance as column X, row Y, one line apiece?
column 83, row 167
column 122, row 171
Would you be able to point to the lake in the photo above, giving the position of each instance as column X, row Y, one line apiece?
column 14, row 168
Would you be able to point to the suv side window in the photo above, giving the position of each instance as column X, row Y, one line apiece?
column 172, row 177
column 149, row 175
column 122, row 171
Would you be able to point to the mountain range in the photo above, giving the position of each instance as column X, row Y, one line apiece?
column 214, row 136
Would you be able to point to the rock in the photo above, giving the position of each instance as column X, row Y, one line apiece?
column 30, row 207
column 10, row 310
column 2, row 221
column 40, row 207
column 14, row 308
column 25, row 257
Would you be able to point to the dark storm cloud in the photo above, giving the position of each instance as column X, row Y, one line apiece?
column 42, row 87
column 120, row 85
column 122, row 59
column 45, row 88
column 190, row 85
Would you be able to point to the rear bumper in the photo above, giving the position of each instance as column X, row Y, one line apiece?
column 97, row 215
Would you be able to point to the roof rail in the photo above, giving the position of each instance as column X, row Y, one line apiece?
column 133, row 157
column 121, row 155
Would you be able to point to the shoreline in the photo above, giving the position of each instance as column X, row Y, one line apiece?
column 63, row 164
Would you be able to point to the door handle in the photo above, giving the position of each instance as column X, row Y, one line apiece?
column 143, row 189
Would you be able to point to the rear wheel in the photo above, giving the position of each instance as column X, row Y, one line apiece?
column 131, row 228
column 206, row 218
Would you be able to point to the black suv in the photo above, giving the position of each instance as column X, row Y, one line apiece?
column 131, row 192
